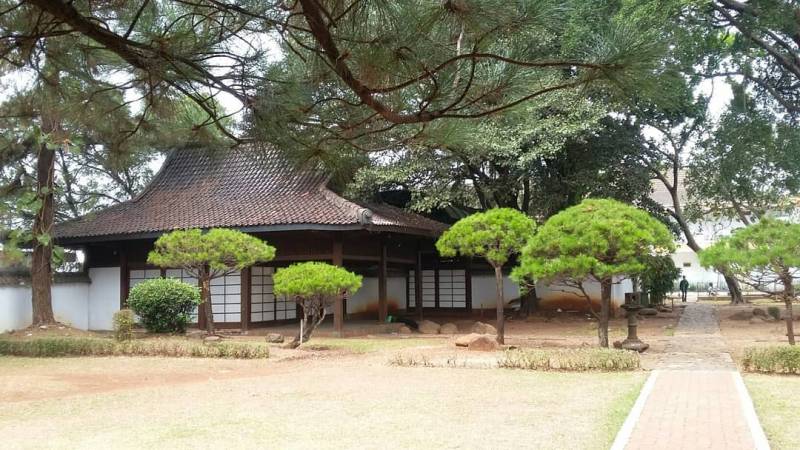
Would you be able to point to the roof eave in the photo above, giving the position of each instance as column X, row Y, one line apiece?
column 80, row 240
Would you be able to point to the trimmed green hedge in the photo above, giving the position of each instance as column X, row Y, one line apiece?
column 164, row 305
column 784, row 359
column 571, row 360
column 59, row 347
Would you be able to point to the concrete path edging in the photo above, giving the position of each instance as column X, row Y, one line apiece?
column 749, row 411
column 624, row 433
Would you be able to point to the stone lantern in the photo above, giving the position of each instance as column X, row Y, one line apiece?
column 632, row 306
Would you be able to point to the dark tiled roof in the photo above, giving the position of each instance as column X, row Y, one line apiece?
column 248, row 187
column 23, row 278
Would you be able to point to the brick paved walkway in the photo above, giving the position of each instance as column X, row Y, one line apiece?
column 693, row 400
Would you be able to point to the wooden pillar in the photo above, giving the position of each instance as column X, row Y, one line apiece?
column 124, row 278
column 436, row 286
column 383, row 309
column 418, row 285
column 338, row 306
column 468, row 284
column 245, row 298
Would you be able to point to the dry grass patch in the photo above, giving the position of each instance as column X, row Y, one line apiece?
column 571, row 360
column 775, row 398
column 49, row 347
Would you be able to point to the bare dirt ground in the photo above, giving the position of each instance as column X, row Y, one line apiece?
column 740, row 332
column 350, row 400
column 334, row 393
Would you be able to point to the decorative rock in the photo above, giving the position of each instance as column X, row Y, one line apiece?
column 463, row 341
column 741, row 315
column 42, row 327
column 483, row 328
column 275, row 338
column 648, row 312
column 449, row 328
column 759, row 312
column 429, row 327
column 484, row 343
column 212, row 338
column 404, row 330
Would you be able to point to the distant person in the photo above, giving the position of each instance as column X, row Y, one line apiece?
column 684, row 287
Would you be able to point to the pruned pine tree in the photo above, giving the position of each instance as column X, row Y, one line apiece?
column 597, row 241
column 495, row 235
column 763, row 256
column 208, row 255
column 314, row 286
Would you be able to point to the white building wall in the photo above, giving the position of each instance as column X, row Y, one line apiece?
column 365, row 300
column 15, row 307
column 70, row 305
column 484, row 291
column 104, row 293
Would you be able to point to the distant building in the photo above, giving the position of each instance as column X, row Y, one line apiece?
column 706, row 232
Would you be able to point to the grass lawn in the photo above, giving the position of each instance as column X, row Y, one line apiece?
column 351, row 401
column 775, row 398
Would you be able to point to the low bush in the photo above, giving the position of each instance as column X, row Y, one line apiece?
column 124, row 321
column 783, row 359
column 571, row 360
column 164, row 305
column 57, row 347
column 775, row 312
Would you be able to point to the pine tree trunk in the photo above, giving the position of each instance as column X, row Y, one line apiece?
column 605, row 307
column 501, row 303
column 788, row 297
column 41, row 259
column 733, row 288
column 205, row 292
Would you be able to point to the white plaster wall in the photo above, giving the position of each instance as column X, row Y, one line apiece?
column 484, row 292
column 70, row 305
column 15, row 307
column 365, row 300
column 547, row 292
column 103, row 297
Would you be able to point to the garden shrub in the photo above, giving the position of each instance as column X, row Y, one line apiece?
column 571, row 360
column 783, row 359
column 775, row 312
column 164, row 305
column 58, row 346
column 124, row 320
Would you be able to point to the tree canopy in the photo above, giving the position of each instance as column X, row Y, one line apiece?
column 761, row 254
column 495, row 235
column 221, row 249
column 314, row 279
column 598, row 238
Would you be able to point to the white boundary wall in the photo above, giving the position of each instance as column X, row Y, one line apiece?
column 83, row 305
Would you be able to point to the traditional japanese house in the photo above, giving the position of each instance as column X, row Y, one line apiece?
column 256, row 190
